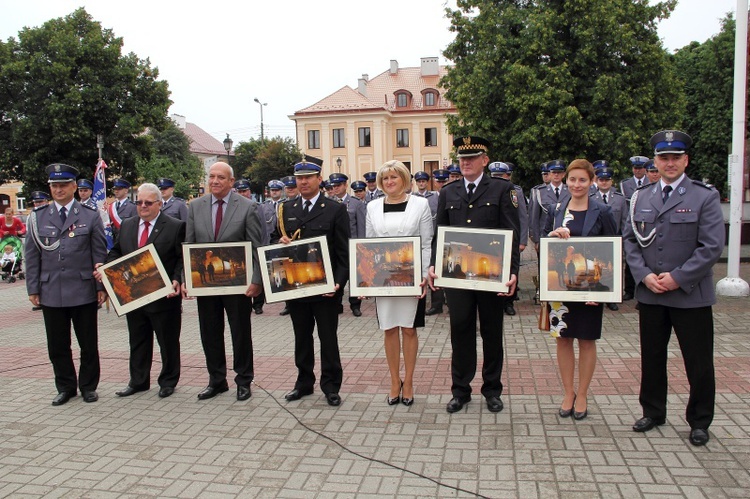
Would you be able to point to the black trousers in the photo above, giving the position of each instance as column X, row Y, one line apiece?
column 305, row 316
column 211, row 321
column 629, row 287
column 166, row 325
column 694, row 328
column 437, row 298
column 259, row 300
column 464, row 306
column 57, row 321
column 354, row 302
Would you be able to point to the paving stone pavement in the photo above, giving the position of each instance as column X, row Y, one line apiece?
column 144, row 446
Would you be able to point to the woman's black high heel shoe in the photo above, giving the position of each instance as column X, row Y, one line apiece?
column 566, row 413
column 395, row 400
column 406, row 401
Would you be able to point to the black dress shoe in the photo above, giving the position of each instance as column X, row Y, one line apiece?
column 297, row 394
column 356, row 312
column 613, row 306
column 129, row 390
column 63, row 397
column 34, row 309
column 211, row 391
column 456, row 404
column 434, row 311
column 494, row 404
column 285, row 311
column 627, row 296
column 91, row 396
column 698, row 436
column 243, row 392
column 166, row 391
column 258, row 310
column 333, row 399
column 646, row 424
column 580, row 415
column 509, row 309
column 566, row 413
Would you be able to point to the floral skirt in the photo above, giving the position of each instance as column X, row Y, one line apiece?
column 575, row 320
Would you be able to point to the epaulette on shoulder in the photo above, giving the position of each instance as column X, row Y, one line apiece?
column 89, row 207
column 178, row 199
column 702, row 184
column 616, row 193
column 540, row 186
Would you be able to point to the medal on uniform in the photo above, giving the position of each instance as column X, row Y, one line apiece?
column 71, row 234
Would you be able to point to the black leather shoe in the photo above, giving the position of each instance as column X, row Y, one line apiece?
column 434, row 311
column 63, row 397
column 129, row 390
column 580, row 415
column 613, row 306
column 297, row 394
column 356, row 312
column 285, row 311
column 646, row 424
column 211, row 391
column 627, row 296
column 494, row 404
column 509, row 309
column 333, row 399
column 698, row 436
column 456, row 404
column 34, row 309
column 258, row 310
column 243, row 392
column 166, row 391
column 91, row 396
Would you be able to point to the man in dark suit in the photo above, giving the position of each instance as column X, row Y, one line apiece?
column 65, row 240
column 164, row 316
column 312, row 215
column 674, row 237
column 225, row 216
column 481, row 202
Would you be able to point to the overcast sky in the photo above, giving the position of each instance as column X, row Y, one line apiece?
column 218, row 56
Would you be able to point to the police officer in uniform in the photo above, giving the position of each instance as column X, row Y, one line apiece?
column 290, row 187
column 437, row 296
column 454, row 173
column 125, row 208
column 674, row 237
column 85, row 189
column 372, row 189
column 422, row 179
column 652, row 172
column 66, row 241
column 357, row 225
column 612, row 198
column 358, row 188
column 270, row 206
column 544, row 195
column 171, row 205
column 40, row 198
column 638, row 180
column 242, row 187
column 440, row 178
column 481, row 202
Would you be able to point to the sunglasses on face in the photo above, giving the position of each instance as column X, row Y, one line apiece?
column 147, row 204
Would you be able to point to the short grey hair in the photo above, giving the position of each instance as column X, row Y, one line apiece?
column 149, row 188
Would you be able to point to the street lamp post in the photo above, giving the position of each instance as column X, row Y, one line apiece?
column 100, row 144
column 338, row 163
column 262, row 138
column 228, row 146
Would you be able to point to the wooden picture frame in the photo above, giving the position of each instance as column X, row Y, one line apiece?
column 217, row 268
column 581, row 269
column 135, row 280
column 299, row 269
column 385, row 266
column 473, row 259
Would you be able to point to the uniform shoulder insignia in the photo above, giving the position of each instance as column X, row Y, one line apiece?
column 89, row 207
column 616, row 193
column 178, row 199
column 40, row 208
column 540, row 186
column 514, row 197
column 702, row 184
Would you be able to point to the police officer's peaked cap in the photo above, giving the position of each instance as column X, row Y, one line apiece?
column 164, row 182
column 421, row 176
column 121, row 183
column 370, row 176
column 471, row 146
column 276, row 184
column 650, row 166
column 556, row 165
column 289, row 181
column 499, row 167
column 599, row 164
column 242, row 185
column 454, row 169
column 40, row 196
column 309, row 165
column 58, row 172
column 85, row 184
column 605, row 172
column 638, row 161
column 358, row 185
column 441, row 174
column 337, row 178
column 671, row 142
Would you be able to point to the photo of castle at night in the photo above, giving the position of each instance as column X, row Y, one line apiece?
column 473, row 256
column 134, row 278
column 295, row 267
column 385, row 264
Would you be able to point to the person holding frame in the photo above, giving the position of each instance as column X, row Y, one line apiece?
column 580, row 215
column 400, row 214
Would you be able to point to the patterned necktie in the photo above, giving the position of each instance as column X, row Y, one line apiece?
column 307, row 207
column 219, row 218
column 63, row 214
column 604, row 197
column 471, row 187
column 144, row 235
column 665, row 193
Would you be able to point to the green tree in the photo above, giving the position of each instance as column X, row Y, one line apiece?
column 271, row 159
column 551, row 79
column 707, row 74
column 63, row 83
column 171, row 158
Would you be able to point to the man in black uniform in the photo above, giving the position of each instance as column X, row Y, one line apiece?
column 480, row 202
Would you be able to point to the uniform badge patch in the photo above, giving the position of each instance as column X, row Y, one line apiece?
column 514, row 197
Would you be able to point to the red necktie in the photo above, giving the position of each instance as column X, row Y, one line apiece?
column 144, row 235
column 219, row 217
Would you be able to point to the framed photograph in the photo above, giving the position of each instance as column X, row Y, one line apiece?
column 135, row 280
column 385, row 266
column 296, row 270
column 581, row 269
column 475, row 259
column 217, row 268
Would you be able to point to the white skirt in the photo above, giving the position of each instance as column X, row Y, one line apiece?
column 396, row 311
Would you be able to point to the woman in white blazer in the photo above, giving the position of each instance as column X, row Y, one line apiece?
column 399, row 214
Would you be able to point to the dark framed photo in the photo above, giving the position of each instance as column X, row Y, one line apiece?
column 296, row 270
column 476, row 259
column 217, row 268
column 135, row 280
column 385, row 266
column 581, row 269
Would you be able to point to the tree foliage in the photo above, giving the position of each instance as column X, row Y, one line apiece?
column 261, row 161
column 63, row 83
column 548, row 79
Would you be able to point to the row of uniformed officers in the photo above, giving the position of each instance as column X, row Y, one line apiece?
column 672, row 236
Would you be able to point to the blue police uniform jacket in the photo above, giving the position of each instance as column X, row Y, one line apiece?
column 542, row 196
column 175, row 208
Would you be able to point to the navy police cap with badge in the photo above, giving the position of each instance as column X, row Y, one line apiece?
column 454, row 170
column 441, row 175
column 58, row 172
column 511, row 166
column 242, row 185
column 164, row 183
column 276, row 184
column 421, row 176
column 358, row 185
column 337, row 178
column 605, row 173
column 309, row 165
column 289, row 181
column 121, row 183
column 671, row 142
column 556, row 165
column 638, row 161
column 600, row 164
column 370, row 176
column 499, row 167
column 470, row 146
column 544, row 169
column 650, row 166
column 85, row 184
column 40, row 196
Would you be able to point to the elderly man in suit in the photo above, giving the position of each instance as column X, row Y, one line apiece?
column 481, row 202
column 65, row 241
column 164, row 316
column 312, row 215
column 171, row 205
column 674, row 237
column 225, row 216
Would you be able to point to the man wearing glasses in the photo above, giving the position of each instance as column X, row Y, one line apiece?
column 171, row 205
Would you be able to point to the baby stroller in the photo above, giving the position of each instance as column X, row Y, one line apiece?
column 11, row 263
